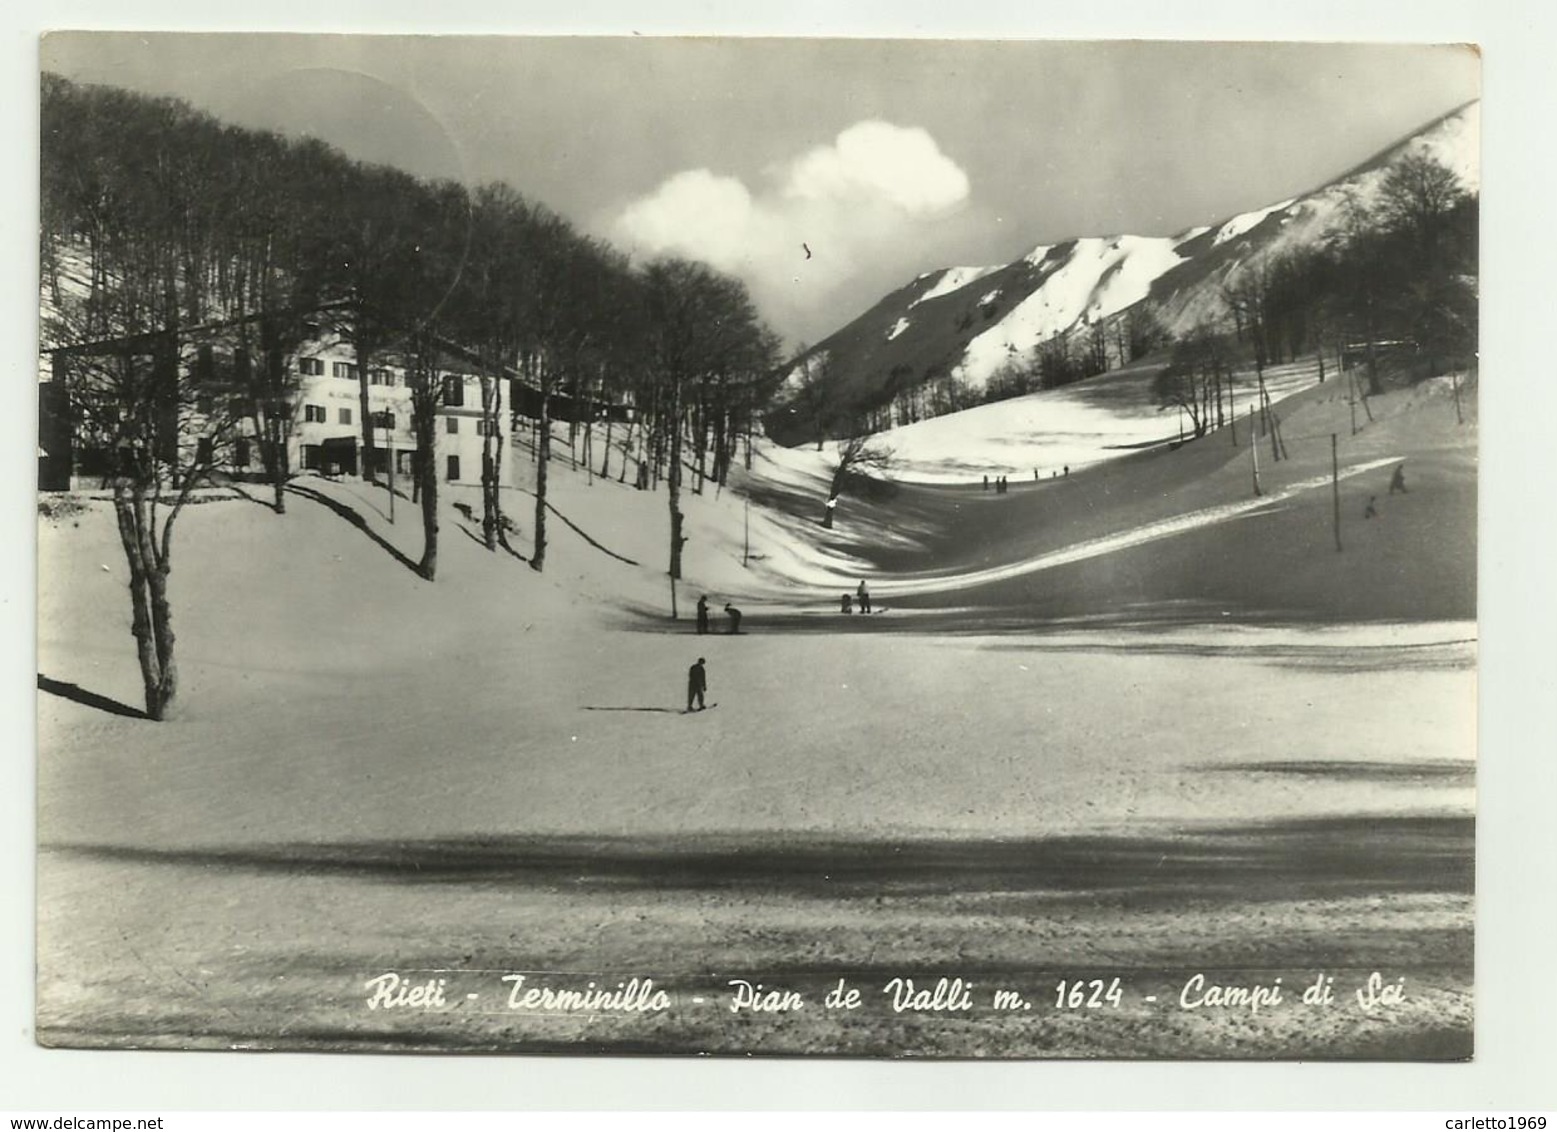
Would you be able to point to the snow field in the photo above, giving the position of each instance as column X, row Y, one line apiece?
column 481, row 706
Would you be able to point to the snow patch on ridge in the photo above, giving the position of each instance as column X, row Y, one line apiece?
column 1241, row 223
column 1100, row 277
column 954, row 279
column 1038, row 254
column 898, row 327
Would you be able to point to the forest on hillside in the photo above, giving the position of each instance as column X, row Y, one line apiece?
column 159, row 221
column 1393, row 294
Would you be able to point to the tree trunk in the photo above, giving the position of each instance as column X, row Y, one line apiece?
column 673, row 480
column 428, row 567
column 151, row 620
column 140, row 600
column 700, row 438
column 543, row 458
column 162, row 635
column 491, row 459
column 364, row 360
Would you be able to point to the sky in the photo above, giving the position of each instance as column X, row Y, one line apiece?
column 823, row 172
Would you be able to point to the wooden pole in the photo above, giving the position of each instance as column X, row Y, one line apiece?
column 1232, row 408
column 1254, row 451
column 1270, row 424
column 1335, row 490
column 746, row 536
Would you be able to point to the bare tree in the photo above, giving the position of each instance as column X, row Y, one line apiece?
column 700, row 323
column 495, row 292
column 422, row 354
column 1196, row 377
column 1417, row 196
column 856, row 455
column 136, row 399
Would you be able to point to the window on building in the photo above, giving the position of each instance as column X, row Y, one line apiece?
column 311, row 329
column 203, row 450
column 453, row 389
column 344, row 415
column 384, row 420
column 310, row 367
column 380, row 377
column 343, row 369
column 451, row 425
column 314, row 414
column 454, row 468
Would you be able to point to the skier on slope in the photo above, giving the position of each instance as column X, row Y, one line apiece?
column 697, row 684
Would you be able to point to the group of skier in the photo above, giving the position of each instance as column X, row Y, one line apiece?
column 1002, row 483
column 697, row 675
column 1397, row 482
column 702, row 617
column 861, row 595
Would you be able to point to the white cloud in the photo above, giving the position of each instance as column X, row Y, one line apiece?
column 875, row 162
column 694, row 208
column 849, row 203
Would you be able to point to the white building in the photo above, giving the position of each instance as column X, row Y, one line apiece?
column 327, row 425
column 326, row 432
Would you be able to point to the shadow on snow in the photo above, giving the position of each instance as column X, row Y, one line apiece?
column 1276, row 860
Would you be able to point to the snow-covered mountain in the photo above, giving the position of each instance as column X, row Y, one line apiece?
column 967, row 322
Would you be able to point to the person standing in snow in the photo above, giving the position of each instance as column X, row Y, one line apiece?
column 702, row 615
column 697, row 684
column 1397, row 482
column 864, row 597
column 735, row 617
column 848, row 604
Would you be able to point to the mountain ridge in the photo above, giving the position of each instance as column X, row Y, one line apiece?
column 937, row 340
